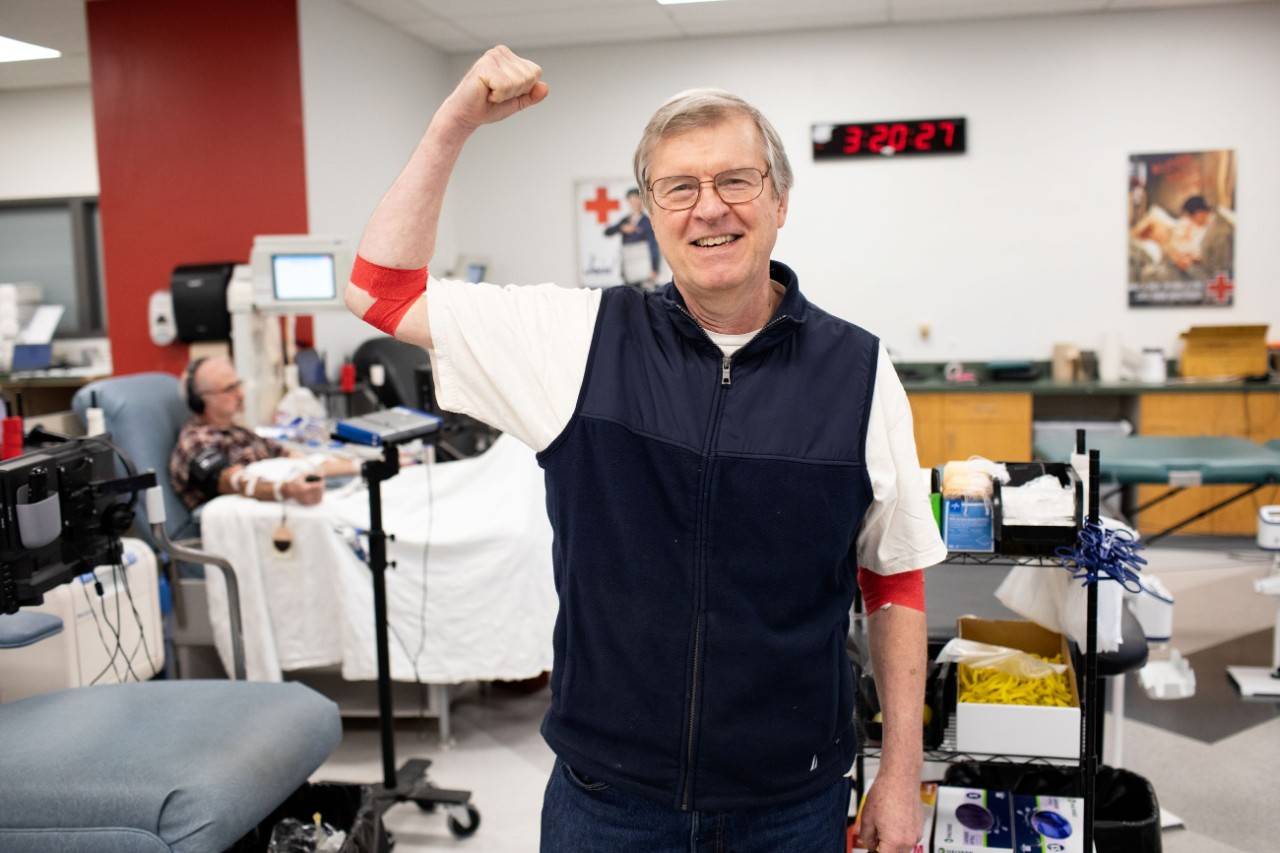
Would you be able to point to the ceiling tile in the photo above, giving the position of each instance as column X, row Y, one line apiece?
column 764, row 15
column 391, row 11
column 444, row 36
column 908, row 11
column 58, row 24
column 578, row 26
column 1122, row 5
column 454, row 9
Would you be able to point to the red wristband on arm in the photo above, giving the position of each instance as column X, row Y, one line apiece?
column 394, row 292
column 905, row 589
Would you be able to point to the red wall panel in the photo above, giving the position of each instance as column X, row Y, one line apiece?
column 198, row 114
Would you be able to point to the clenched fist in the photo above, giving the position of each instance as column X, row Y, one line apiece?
column 500, row 84
column 307, row 491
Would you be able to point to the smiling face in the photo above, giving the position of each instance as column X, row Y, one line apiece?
column 715, row 247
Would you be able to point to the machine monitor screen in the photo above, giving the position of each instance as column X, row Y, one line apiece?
column 303, row 278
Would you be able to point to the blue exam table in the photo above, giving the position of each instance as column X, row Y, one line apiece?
column 1179, row 462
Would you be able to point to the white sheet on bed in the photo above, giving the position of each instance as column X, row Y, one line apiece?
column 485, row 556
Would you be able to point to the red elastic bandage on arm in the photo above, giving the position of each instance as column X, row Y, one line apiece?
column 393, row 292
column 905, row 589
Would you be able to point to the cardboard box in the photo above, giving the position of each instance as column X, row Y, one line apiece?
column 1048, row 824
column 1031, row 730
column 1213, row 351
column 928, row 802
column 971, row 820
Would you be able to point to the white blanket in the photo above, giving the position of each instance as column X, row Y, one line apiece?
column 482, row 548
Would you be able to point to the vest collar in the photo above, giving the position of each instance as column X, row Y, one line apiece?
column 790, row 313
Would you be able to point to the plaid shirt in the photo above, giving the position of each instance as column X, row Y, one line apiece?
column 238, row 445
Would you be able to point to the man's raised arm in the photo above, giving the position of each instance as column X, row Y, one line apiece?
column 388, row 284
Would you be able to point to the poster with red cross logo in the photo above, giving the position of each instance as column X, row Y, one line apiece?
column 1182, row 229
column 615, row 242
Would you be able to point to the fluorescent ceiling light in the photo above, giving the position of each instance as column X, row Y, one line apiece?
column 12, row 50
column 682, row 2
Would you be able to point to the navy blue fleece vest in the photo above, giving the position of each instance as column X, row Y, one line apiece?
column 705, row 514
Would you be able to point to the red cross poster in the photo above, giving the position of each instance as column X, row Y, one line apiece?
column 1182, row 229
column 615, row 239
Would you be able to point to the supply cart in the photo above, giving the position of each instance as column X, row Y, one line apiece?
column 1087, row 763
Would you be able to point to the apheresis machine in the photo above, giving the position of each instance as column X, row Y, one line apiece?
column 287, row 275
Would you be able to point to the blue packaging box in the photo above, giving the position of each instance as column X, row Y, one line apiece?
column 1048, row 824
column 971, row 820
column 967, row 525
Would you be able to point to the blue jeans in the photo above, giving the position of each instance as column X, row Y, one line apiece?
column 583, row 815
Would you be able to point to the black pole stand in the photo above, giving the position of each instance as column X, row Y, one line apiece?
column 409, row 783
column 1089, row 769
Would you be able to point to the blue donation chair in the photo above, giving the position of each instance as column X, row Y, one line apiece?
column 181, row 766
column 144, row 415
column 159, row 767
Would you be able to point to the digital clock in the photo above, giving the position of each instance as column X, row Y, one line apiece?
column 888, row 138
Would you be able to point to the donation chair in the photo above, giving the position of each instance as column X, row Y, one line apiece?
column 156, row 767
column 144, row 415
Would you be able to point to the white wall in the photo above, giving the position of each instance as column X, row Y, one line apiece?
column 368, row 91
column 1005, row 250
column 47, row 148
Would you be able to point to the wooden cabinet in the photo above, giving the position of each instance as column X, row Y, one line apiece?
column 1254, row 415
column 958, row 425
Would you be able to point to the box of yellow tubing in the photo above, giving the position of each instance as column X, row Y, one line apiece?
column 1016, row 691
column 994, row 687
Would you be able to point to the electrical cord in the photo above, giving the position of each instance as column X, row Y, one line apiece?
column 102, row 637
column 422, row 610
column 137, row 618
column 118, row 628
column 119, row 649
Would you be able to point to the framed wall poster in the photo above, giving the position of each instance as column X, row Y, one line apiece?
column 1182, row 225
column 615, row 238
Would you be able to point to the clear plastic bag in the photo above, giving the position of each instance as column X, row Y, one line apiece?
column 1000, row 658
column 293, row 836
column 1051, row 599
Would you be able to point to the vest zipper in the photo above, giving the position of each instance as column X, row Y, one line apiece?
column 726, row 379
column 726, row 361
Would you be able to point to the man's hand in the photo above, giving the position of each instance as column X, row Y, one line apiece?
column 891, row 817
column 307, row 491
column 499, row 85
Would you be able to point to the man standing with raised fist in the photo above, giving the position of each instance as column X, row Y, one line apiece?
column 725, row 463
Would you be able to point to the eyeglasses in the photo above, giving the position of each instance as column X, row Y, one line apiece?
column 681, row 192
column 234, row 386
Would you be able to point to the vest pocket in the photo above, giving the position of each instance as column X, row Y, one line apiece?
column 586, row 783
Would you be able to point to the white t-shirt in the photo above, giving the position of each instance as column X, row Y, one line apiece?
column 515, row 357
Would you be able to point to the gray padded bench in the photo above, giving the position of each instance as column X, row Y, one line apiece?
column 160, row 767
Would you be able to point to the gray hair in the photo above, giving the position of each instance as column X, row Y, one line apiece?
column 699, row 108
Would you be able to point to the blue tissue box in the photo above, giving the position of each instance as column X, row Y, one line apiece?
column 967, row 525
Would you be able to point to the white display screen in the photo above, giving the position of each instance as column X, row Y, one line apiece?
column 303, row 278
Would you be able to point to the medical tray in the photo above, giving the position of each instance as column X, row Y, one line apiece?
column 1035, row 540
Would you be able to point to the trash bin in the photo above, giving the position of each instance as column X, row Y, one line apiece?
column 351, row 808
column 1126, row 812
